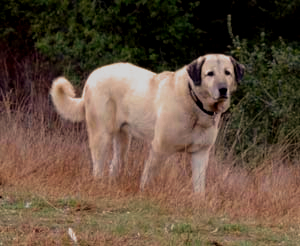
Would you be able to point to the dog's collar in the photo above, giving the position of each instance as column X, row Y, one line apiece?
column 198, row 102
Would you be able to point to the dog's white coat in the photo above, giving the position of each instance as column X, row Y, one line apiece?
column 122, row 99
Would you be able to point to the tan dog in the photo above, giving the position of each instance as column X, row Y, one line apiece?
column 176, row 111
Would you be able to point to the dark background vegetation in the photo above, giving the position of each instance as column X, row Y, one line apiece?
column 40, row 40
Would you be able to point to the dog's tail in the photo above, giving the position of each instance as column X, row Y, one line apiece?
column 62, row 93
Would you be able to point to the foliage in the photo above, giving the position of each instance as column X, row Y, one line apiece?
column 267, row 104
column 83, row 35
column 78, row 36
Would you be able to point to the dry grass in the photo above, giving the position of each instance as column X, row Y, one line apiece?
column 51, row 157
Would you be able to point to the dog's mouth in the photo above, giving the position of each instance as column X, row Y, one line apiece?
column 220, row 103
column 220, row 99
column 223, row 98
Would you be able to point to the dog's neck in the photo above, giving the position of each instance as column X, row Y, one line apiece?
column 198, row 102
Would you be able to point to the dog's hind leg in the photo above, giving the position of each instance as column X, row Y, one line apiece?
column 100, row 119
column 120, row 148
column 100, row 144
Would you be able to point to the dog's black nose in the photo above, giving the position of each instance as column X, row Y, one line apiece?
column 223, row 92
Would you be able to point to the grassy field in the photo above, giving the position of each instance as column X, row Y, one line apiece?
column 28, row 219
column 46, row 188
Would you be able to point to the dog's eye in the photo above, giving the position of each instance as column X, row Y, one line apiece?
column 210, row 74
column 227, row 72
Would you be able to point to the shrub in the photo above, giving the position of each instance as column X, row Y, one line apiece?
column 83, row 35
column 266, row 109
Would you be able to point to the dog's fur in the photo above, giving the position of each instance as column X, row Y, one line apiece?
column 122, row 99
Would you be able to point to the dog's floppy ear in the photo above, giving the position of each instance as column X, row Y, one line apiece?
column 239, row 69
column 194, row 70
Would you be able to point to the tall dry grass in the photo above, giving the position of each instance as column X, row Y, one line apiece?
column 44, row 155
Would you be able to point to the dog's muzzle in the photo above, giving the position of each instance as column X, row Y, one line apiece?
column 223, row 92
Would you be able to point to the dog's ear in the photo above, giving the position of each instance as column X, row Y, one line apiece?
column 239, row 69
column 194, row 70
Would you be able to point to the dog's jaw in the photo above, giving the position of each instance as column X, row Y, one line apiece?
column 221, row 105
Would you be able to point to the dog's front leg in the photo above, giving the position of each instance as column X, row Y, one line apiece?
column 152, row 167
column 199, row 166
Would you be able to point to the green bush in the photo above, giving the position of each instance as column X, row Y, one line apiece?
column 266, row 109
column 83, row 35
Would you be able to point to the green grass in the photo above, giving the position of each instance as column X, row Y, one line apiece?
column 35, row 220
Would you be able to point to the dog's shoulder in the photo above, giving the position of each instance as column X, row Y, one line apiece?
column 165, row 77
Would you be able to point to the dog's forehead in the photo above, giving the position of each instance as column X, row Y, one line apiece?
column 217, row 62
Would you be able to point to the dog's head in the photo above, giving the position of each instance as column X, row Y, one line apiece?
column 214, row 78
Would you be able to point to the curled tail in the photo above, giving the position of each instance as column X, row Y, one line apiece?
column 62, row 94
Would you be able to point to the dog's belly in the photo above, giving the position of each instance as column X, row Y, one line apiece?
column 138, row 119
column 138, row 131
column 190, row 148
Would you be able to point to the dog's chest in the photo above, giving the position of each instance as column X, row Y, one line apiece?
column 195, row 136
column 202, row 138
